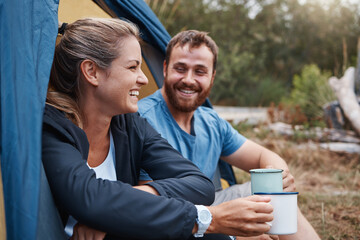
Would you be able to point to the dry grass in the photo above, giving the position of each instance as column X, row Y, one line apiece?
column 328, row 183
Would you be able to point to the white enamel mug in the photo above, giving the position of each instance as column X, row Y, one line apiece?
column 285, row 212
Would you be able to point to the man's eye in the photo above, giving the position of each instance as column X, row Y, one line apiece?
column 180, row 69
column 200, row 72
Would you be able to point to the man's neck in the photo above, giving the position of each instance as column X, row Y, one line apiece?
column 183, row 119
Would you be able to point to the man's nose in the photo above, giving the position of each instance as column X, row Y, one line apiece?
column 189, row 77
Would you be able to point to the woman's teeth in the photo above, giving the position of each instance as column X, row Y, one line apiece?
column 134, row 93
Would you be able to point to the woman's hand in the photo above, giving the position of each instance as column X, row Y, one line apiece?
column 83, row 232
column 242, row 217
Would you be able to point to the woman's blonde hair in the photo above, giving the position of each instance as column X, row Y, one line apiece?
column 95, row 39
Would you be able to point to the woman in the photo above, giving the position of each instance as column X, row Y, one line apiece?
column 94, row 142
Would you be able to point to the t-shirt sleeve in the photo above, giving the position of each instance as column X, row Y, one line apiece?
column 144, row 176
column 232, row 139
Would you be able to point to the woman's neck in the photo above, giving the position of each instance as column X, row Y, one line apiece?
column 99, row 142
column 96, row 127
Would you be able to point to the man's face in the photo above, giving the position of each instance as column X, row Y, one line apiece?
column 188, row 77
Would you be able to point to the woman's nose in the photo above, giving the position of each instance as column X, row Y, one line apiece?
column 142, row 79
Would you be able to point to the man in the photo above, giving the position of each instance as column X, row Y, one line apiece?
column 198, row 132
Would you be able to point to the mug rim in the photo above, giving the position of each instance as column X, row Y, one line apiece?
column 265, row 170
column 275, row 193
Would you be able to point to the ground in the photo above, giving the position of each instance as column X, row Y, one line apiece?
column 328, row 182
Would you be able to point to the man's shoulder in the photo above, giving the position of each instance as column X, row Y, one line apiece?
column 149, row 103
column 208, row 113
column 210, row 118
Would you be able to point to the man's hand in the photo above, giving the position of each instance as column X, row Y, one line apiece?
column 242, row 217
column 261, row 237
column 82, row 232
column 288, row 181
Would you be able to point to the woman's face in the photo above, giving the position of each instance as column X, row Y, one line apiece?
column 120, row 84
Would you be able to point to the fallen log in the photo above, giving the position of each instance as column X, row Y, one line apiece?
column 319, row 134
column 341, row 147
column 344, row 91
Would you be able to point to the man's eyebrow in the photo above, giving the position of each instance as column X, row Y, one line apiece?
column 201, row 65
column 184, row 64
column 179, row 63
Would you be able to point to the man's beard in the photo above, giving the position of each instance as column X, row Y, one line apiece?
column 181, row 105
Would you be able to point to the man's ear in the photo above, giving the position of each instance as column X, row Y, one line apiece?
column 90, row 72
column 164, row 68
column 213, row 76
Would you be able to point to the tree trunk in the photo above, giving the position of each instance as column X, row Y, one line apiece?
column 345, row 55
column 357, row 77
column 344, row 90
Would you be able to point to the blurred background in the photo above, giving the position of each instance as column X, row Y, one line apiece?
column 268, row 47
column 275, row 60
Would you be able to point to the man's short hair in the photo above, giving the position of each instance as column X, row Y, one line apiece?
column 195, row 39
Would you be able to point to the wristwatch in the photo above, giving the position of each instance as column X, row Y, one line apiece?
column 203, row 220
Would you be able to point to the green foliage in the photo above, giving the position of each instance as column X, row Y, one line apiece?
column 301, row 136
column 265, row 92
column 243, row 127
column 260, row 53
column 238, row 81
column 311, row 91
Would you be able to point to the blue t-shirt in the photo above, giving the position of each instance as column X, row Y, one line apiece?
column 210, row 138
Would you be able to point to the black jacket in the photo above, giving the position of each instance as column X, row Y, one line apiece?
column 116, row 207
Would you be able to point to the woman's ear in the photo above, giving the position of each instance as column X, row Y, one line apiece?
column 90, row 71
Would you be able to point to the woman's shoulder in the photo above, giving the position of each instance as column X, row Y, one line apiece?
column 127, row 118
column 54, row 117
column 128, row 122
column 56, row 123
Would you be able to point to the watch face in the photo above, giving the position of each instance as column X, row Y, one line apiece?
column 204, row 216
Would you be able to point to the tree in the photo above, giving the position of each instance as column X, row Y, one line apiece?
column 266, row 51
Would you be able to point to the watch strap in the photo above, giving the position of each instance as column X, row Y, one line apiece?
column 203, row 224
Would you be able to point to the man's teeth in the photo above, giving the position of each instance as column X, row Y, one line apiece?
column 134, row 93
column 187, row 91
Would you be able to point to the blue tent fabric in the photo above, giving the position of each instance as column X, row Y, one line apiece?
column 49, row 224
column 152, row 31
column 28, row 31
column 138, row 12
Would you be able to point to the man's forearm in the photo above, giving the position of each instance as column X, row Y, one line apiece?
column 269, row 158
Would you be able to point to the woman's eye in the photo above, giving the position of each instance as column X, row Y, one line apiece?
column 133, row 67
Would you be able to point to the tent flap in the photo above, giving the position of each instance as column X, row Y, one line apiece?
column 27, row 38
column 138, row 12
column 152, row 31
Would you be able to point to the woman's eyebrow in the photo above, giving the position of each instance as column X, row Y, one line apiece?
column 134, row 60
